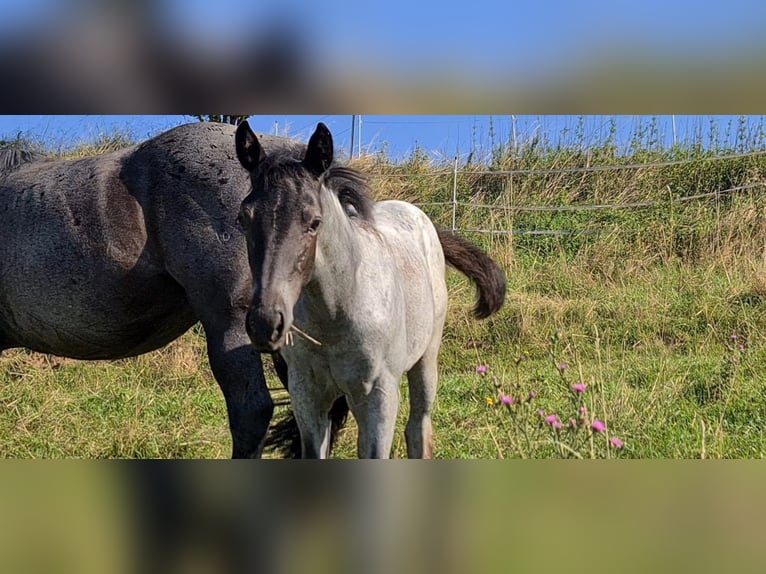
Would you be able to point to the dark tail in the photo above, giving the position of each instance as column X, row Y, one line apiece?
column 479, row 268
column 284, row 438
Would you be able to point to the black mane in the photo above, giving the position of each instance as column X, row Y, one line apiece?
column 352, row 189
column 349, row 184
column 13, row 157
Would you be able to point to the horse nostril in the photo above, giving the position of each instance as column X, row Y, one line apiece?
column 276, row 334
column 265, row 328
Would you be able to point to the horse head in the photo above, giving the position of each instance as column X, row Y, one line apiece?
column 281, row 217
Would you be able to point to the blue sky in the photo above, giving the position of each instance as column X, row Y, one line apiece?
column 440, row 136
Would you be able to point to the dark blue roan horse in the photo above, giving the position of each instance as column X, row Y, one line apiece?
column 119, row 254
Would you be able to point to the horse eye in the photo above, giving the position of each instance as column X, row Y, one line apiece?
column 315, row 225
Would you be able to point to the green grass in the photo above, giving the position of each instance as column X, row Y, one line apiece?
column 642, row 313
column 56, row 408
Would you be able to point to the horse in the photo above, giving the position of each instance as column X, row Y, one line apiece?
column 350, row 292
column 119, row 254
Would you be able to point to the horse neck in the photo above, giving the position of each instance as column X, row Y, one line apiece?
column 337, row 259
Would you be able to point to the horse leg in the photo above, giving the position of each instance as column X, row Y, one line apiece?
column 238, row 370
column 423, row 379
column 376, row 417
column 217, row 286
column 311, row 407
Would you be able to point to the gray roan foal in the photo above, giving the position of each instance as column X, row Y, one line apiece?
column 116, row 255
column 351, row 292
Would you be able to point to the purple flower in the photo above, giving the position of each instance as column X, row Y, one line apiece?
column 563, row 366
column 579, row 387
column 553, row 421
column 598, row 426
column 481, row 369
column 734, row 337
column 583, row 411
column 541, row 412
column 615, row 442
column 531, row 395
column 572, row 423
column 506, row 400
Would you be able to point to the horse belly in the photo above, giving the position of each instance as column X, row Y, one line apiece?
column 423, row 295
column 104, row 338
column 99, row 314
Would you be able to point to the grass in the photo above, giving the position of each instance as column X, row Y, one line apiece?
column 642, row 312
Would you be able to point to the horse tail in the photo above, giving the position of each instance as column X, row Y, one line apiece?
column 480, row 268
column 284, row 438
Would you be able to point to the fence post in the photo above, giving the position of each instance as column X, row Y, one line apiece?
column 673, row 120
column 513, row 126
column 454, row 197
column 359, row 138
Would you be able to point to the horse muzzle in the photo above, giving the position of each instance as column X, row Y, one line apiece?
column 266, row 329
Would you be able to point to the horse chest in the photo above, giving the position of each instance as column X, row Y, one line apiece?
column 345, row 365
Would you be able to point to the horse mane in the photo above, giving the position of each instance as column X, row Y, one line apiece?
column 352, row 188
column 13, row 157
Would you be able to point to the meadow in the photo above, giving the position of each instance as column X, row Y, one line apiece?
column 634, row 328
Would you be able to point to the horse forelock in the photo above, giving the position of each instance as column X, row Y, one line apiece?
column 275, row 170
column 276, row 186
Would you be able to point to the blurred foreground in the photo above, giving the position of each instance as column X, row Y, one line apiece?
column 368, row 517
column 167, row 56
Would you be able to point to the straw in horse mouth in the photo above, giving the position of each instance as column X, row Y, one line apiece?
column 295, row 329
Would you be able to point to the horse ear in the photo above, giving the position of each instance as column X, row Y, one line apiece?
column 319, row 153
column 249, row 149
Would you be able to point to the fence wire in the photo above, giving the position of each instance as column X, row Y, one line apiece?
column 455, row 203
column 584, row 169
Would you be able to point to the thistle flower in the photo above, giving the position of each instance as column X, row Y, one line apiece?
column 579, row 387
column 553, row 421
column 482, row 369
column 506, row 399
column 598, row 426
column 615, row 442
